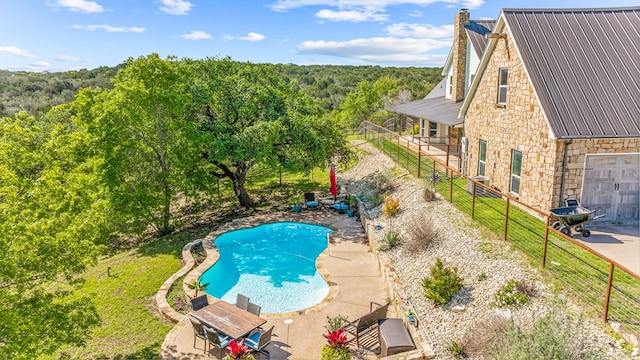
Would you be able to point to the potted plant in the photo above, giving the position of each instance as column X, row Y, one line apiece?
column 336, row 347
column 296, row 202
column 352, row 201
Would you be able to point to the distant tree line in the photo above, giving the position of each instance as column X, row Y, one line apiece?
column 35, row 93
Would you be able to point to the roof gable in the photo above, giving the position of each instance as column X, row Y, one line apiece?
column 582, row 64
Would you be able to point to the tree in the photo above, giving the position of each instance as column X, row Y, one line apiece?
column 247, row 114
column 141, row 136
column 364, row 101
column 51, row 224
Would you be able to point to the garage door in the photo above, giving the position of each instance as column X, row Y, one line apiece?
column 611, row 186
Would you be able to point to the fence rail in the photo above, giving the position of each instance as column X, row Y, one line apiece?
column 597, row 280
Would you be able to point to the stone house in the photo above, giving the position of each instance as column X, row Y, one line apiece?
column 553, row 111
column 437, row 113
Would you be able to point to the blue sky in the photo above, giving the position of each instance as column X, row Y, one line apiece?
column 59, row 35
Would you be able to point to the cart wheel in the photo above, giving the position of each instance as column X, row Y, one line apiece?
column 556, row 225
column 566, row 230
column 586, row 232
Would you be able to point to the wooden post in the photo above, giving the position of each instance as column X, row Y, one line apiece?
column 608, row 296
column 544, row 247
column 473, row 199
column 451, row 188
column 398, row 149
column 408, row 155
column 506, row 218
column 419, row 158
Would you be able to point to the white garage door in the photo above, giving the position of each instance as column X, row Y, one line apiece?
column 611, row 186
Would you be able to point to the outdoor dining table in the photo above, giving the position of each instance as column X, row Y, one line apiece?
column 228, row 319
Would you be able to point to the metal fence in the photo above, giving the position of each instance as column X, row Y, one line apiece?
column 596, row 280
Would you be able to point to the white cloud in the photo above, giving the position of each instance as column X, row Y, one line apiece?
column 176, row 7
column 67, row 58
column 415, row 14
column 252, row 36
column 196, row 35
column 41, row 65
column 284, row 5
column 380, row 49
column 424, row 31
column 14, row 51
column 351, row 15
column 109, row 28
column 79, row 6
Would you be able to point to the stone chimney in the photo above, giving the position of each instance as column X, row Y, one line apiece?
column 459, row 62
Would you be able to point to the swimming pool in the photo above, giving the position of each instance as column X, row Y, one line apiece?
column 273, row 264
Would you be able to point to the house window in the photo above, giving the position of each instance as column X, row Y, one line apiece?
column 424, row 125
column 516, row 168
column 482, row 161
column 450, row 84
column 502, row 86
column 433, row 129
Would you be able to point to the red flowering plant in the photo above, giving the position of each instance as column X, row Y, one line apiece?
column 336, row 347
column 238, row 350
column 337, row 339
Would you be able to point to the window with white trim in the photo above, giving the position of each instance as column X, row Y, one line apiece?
column 433, row 129
column 450, row 84
column 482, row 158
column 516, row 170
column 502, row 86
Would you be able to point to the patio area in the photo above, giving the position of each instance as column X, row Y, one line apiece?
column 351, row 268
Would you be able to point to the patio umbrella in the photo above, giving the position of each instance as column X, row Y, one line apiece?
column 334, row 186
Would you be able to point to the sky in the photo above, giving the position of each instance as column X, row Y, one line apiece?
column 61, row 35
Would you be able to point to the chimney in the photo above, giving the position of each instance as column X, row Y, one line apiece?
column 459, row 55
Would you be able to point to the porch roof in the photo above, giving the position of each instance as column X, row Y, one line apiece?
column 439, row 110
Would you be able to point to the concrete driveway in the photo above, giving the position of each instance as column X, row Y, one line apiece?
column 620, row 243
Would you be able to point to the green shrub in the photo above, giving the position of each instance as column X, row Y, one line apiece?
column 334, row 323
column 509, row 295
column 381, row 183
column 456, row 348
column 557, row 334
column 442, row 283
column 332, row 353
column 376, row 199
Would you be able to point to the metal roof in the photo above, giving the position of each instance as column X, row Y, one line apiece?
column 476, row 29
column 439, row 110
column 584, row 67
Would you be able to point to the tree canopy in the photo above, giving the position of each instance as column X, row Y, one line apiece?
column 248, row 115
column 51, row 222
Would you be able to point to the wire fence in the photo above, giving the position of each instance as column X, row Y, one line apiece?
column 595, row 280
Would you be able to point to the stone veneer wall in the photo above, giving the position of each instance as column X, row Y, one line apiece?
column 519, row 125
column 576, row 156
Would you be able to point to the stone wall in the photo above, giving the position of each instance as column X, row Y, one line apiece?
column 518, row 125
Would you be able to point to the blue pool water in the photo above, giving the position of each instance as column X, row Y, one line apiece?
column 273, row 264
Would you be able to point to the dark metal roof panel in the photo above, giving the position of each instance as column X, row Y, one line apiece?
column 439, row 110
column 476, row 29
column 583, row 65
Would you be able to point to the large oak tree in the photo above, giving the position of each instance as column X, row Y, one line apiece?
column 247, row 114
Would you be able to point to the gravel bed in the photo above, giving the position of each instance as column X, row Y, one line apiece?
column 484, row 264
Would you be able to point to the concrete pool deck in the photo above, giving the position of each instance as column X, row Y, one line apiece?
column 351, row 268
